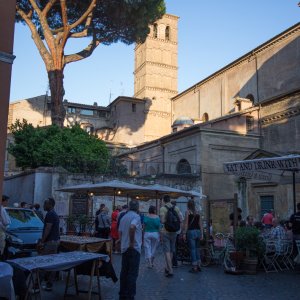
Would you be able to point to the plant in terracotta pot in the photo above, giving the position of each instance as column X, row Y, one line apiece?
column 249, row 241
column 83, row 221
column 70, row 225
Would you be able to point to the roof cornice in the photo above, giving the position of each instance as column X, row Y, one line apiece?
column 166, row 66
column 261, row 48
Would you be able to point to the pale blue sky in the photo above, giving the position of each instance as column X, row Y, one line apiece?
column 211, row 34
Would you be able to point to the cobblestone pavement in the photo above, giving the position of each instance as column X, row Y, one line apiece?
column 211, row 284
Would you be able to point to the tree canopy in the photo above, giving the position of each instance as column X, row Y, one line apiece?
column 71, row 148
column 53, row 22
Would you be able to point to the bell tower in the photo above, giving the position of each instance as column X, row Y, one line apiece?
column 155, row 75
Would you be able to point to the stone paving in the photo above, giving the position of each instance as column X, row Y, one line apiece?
column 211, row 284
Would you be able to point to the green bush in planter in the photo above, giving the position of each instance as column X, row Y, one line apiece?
column 249, row 241
column 83, row 221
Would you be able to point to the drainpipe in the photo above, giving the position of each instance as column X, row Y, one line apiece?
column 163, row 159
column 7, row 25
column 199, row 106
column 256, row 71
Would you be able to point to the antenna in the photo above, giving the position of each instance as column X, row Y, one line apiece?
column 121, row 89
column 110, row 93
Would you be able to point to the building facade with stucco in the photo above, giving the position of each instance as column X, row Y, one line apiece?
column 248, row 109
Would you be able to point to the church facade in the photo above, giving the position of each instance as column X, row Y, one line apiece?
column 248, row 109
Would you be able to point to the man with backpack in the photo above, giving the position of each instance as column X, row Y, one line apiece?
column 171, row 220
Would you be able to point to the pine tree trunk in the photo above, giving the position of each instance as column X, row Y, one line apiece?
column 58, row 112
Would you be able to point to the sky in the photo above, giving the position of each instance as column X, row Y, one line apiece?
column 211, row 34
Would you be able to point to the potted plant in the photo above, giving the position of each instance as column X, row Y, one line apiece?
column 249, row 241
column 70, row 225
column 83, row 221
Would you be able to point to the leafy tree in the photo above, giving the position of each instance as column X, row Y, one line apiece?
column 71, row 148
column 53, row 22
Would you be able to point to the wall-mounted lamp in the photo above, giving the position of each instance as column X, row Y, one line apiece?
column 119, row 192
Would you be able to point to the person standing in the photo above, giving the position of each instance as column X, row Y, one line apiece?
column 4, row 222
column 267, row 219
column 114, row 233
column 50, row 238
column 170, row 218
column 104, row 223
column 295, row 224
column 151, row 235
column 121, row 214
column 130, row 232
column 23, row 204
column 174, row 259
column 193, row 232
column 36, row 208
column 102, row 205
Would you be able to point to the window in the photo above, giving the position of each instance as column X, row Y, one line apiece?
column 183, row 167
column 155, row 30
column 87, row 112
column 266, row 203
column 151, row 170
column 71, row 110
column 167, row 33
column 250, row 97
column 133, row 107
column 249, row 123
column 89, row 129
column 102, row 113
column 205, row 117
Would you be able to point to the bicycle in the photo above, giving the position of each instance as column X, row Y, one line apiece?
column 211, row 253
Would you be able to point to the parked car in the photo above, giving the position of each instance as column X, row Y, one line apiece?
column 23, row 233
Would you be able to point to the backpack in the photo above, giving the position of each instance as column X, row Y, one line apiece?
column 172, row 222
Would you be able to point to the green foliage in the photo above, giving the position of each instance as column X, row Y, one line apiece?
column 71, row 148
column 116, row 168
column 111, row 21
column 248, row 240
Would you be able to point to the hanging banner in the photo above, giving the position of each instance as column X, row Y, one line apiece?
column 265, row 169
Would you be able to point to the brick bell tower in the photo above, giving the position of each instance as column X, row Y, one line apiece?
column 155, row 75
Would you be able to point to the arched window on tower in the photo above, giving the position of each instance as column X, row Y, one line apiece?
column 205, row 117
column 251, row 98
column 155, row 30
column 183, row 167
column 167, row 33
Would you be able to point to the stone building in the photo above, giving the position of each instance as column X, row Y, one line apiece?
column 248, row 109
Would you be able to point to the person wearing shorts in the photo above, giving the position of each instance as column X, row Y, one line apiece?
column 168, row 238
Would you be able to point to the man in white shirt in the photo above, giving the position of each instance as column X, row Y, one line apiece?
column 130, row 231
column 4, row 222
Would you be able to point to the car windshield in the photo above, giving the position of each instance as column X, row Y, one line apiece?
column 24, row 219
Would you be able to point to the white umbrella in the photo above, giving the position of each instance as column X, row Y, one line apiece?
column 109, row 188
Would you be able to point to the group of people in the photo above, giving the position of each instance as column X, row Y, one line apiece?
column 270, row 225
column 106, row 226
column 163, row 227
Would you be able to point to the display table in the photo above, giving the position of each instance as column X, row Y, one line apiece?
column 7, row 288
column 65, row 261
column 83, row 243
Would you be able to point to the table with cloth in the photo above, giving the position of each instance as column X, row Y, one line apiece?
column 90, row 244
column 6, row 284
column 83, row 243
column 65, row 261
